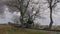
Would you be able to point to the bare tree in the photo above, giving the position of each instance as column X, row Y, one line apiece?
column 22, row 7
column 52, row 4
column 31, row 16
column 19, row 4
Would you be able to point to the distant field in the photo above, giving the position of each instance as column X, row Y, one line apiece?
column 6, row 29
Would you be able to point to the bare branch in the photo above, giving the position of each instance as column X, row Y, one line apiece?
column 55, row 2
column 26, row 6
column 34, row 15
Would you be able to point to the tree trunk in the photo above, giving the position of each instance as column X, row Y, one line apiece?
column 51, row 20
column 21, row 12
column 33, row 24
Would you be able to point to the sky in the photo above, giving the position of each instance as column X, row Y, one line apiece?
column 8, row 16
column 45, row 12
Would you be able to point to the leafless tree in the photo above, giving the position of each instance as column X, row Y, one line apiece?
column 22, row 6
column 19, row 4
column 31, row 16
column 52, row 4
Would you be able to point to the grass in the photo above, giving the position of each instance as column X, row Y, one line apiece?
column 11, row 30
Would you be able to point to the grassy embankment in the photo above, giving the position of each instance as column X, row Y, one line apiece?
column 11, row 30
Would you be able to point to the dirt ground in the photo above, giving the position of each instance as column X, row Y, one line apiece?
column 2, row 26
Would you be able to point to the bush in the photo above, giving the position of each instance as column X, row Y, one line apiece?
column 37, row 25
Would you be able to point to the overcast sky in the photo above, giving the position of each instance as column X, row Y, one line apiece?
column 45, row 12
column 7, row 16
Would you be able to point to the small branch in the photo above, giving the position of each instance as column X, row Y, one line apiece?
column 26, row 7
column 55, row 3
